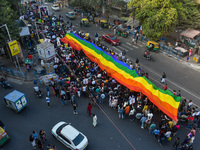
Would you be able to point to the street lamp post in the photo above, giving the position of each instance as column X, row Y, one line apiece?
column 5, row 25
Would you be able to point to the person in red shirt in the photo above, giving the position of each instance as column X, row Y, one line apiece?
column 174, row 92
column 165, row 87
column 89, row 109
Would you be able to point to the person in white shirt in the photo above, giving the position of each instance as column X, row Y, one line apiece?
column 84, row 90
column 168, row 134
column 93, row 82
column 131, row 66
column 131, row 99
column 85, row 81
column 36, row 88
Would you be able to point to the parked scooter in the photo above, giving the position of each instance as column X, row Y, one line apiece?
column 4, row 83
column 37, row 91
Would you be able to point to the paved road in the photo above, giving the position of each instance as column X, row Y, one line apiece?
column 179, row 76
column 111, row 132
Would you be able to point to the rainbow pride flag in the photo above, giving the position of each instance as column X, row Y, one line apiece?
column 164, row 100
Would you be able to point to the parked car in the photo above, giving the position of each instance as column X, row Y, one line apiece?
column 55, row 7
column 69, row 136
column 111, row 39
column 70, row 15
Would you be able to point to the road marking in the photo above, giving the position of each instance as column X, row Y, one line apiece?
column 132, row 45
column 117, row 49
column 140, row 45
column 119, row 37
column 122, row 46
column 172, row 89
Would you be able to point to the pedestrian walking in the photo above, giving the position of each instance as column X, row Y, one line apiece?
column 54, row 147
column 96, row 37
column 80, row 23
column 136, row 63
column 39, row 144
column 57, row 91
column 62, row 99
column 114, row 31
column 84, row 88
column 89, row 109
column 35, row 135
column 48, row 90
column 176, row 143
column 35, row 82
column 163, row 77
column 32, row 140
column 131, row 114
column 28, row 67
column 42, row 135
column 179, row 93
column 75, row 106
column 136, row 38
column 48, row 101
column 94, row 120
column 49, row 147
column 165, row 87
column 79, row 92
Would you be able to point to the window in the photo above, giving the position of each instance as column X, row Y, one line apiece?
column 78, row 139
column 60, row 128
column 112, row 38
column 64, row 138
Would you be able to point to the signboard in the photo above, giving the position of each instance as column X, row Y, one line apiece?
column 25, row 31
column 14, row 48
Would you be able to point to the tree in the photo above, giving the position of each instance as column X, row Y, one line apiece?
column 8, row 17
column 164, row 16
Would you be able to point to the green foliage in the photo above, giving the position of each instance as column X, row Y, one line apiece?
column 85, row 3
column 164, row 16
column 8, row 17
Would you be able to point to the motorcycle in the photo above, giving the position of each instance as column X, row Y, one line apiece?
column 32, row 50
column 37, row 91
column 5, row 84
column 148, row 57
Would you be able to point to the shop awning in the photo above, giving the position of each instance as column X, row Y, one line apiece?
column 190, row 33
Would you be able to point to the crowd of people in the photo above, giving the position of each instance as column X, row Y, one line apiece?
column 80, row 77
column 38, row 141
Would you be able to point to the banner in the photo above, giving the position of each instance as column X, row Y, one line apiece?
column 14, row 48
column 165, row 100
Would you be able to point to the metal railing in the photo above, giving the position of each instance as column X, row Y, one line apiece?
column 13, row 73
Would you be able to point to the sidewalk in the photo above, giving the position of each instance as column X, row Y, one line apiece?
column 10, row 65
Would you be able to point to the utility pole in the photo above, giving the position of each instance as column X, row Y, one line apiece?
column 5, row 25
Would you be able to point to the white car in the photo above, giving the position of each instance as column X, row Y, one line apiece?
column 69, row 136
column 55, row 7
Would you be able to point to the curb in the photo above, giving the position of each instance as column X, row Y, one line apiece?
column 17, row 78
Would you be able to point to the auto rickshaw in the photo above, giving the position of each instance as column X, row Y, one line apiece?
column 3, row 136
column 16, row 101
column 104, row 23
column 85, row 22
column 122, row 32
column 153, row 46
